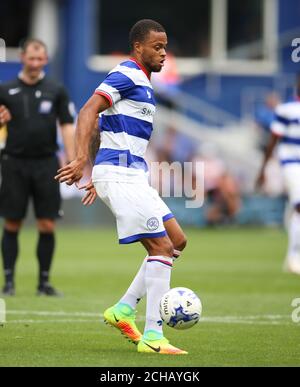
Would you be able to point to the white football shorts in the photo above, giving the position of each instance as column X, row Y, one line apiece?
column 138, row 208
column 291, row 173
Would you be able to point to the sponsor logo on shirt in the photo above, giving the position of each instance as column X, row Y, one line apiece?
column 45, row 107
column 147, row 112
column 72, row 109
column 14, row 91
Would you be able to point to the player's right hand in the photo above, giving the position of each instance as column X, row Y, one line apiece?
column 5, row 115
column 91, row 194
column 71, row 173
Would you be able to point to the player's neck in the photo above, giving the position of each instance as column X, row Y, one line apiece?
column 141, row 66
column 30, row 80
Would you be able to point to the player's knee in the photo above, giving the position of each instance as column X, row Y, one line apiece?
column 164, row 247
column 46, row 225
column 12, row 225
column 168, row 249
column 181, row 243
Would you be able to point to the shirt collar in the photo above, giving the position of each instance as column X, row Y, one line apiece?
column 142, row 67
column 41, row 76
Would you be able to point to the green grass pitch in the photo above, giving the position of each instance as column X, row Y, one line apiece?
column 237, row 273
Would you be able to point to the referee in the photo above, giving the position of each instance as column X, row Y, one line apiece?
column 30, row 107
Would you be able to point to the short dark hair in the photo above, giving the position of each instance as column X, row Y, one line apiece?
column 32, row 41
column 141, row 29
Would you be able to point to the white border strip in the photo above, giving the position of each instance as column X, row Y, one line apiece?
column 268, row 319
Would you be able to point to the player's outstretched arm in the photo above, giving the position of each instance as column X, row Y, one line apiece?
column 67, row 132
column 73, row 172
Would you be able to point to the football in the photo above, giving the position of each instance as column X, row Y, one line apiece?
column 180, row 308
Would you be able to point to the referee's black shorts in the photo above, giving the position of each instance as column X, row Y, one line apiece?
column 22, row 179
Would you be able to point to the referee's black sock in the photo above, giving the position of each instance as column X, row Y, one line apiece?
column 45, row 250
column 9, row 248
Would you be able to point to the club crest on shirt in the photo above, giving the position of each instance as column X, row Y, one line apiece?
column 45, row 107
column 152, row 224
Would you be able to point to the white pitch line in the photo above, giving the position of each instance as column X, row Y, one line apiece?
column 267, row 319
column 51, row 321
column 53, row 313
column 240, row 321
column 249, row 318
column 91, row 314
column 210, row 320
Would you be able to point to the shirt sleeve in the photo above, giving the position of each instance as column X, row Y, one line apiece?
column 65, row 108
column 115, row 87
column 279, row 124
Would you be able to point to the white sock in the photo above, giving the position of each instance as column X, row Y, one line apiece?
column 294, row 236
column 158, row 276
column 137, row 288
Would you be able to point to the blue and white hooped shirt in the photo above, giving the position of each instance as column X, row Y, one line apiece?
column 126, row 126
column 287, row 127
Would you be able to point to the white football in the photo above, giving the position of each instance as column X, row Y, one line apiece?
column 180, row 308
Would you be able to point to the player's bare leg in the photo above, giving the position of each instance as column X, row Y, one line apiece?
column 176, row 235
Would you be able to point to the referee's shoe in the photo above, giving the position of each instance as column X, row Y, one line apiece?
column 45, row 289
column 8, row 289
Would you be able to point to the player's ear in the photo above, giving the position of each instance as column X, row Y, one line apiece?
column 137, row 47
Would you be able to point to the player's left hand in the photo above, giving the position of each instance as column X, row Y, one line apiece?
column 70, row 173
column 5, row 115
column 91, row 194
